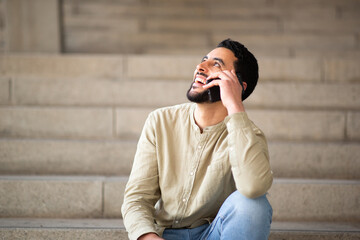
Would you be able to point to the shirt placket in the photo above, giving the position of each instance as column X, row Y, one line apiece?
column 189, row 181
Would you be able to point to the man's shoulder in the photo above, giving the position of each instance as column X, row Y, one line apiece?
column 173, row 111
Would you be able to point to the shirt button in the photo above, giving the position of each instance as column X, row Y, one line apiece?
column 184, row 200
column 192, row 173
column 176, row 221
column 199, row 147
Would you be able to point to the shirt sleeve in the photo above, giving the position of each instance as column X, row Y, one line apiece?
column 142, row 190
column 248, row 155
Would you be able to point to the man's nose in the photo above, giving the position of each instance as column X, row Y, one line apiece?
column 201, row 67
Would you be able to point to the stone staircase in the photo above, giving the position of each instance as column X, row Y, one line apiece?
column 69, row 126
column 69, row 123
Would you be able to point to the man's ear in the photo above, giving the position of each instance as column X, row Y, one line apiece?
column 245, row 85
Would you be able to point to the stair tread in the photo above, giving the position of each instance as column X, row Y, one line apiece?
column 124, row 177
column 118, row 224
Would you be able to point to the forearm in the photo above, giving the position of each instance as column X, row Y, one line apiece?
column 138, row 209
column 249, row 158
column 142, row 190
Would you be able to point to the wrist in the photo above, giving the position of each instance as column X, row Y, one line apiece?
column 235, row 109
column 149, row 236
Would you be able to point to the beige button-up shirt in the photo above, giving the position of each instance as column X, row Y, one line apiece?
column 181, row 176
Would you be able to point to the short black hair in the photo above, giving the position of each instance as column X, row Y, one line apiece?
column 246, row 65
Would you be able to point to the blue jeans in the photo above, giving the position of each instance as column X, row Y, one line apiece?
column 238, row 218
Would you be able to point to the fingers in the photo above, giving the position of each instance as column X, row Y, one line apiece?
column 211, row 84
column 221, row 76
column 224, row 75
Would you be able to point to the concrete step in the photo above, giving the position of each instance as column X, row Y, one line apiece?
column 319, row 26
column 62, row 66
column 298, row 3
column 120, row 67
column 85, row 41
column 315, row 200
column 5, row 91
column 114, row 229
column 330, row 160
column 127, row 123
column 253, row 25
column 97, row 197
column 95, row 123
column 66, row 157
column 61, row 196
column 62, row 229
column 314, row 231
column 340, row 26
column 188, row 25
column 150, row 93
column 127, row 67
column 277, row 124
column 101, row 10
column 294, row 41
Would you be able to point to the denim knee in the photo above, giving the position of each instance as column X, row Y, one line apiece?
column 237, row 205
column 242, row 218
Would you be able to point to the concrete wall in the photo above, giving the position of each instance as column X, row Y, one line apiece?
column 268, row 27
column 3, row 34
column 30, row 26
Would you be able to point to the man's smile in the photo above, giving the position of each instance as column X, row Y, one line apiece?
column 200, row 78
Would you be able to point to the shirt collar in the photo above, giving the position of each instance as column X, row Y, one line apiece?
column 217, row 127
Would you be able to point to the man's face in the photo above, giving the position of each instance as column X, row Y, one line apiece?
column 219, row 59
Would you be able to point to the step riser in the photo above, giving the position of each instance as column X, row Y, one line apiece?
column 313, row 236
column 308, row 160
column 315, row 202
column 108, row 123
column 66, row 157
column 150, row 93
column 4, row 91
column 91, row 228
column 61, row 198
column 294, row 201
column 63, row 234
column 177, row 67
column 52, row 66
column 106, row 11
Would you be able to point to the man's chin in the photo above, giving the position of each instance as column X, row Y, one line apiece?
column 198, row 97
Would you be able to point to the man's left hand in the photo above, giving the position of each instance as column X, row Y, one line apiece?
column 230, row 90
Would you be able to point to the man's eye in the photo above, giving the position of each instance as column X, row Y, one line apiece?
column 216, row 64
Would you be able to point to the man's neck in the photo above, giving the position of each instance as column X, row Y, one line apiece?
column 209, row 114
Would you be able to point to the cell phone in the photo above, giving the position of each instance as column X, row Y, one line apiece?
column 214, row 92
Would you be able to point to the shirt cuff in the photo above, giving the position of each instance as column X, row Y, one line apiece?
column 141, row 231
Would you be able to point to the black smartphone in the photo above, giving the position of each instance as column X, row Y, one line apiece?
column 214, row 92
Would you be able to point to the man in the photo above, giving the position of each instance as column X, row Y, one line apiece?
column 201, row 170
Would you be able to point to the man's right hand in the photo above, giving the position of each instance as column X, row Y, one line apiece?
column 150, row 236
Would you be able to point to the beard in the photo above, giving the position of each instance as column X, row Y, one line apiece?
column 207, row 96
column 197, row 97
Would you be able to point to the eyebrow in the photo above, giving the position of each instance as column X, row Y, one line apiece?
column 217, row 59
column 220, row 60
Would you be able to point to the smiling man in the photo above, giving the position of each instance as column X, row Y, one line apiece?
column 201, row 169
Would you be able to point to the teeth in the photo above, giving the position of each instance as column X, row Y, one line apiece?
column 200, row 79
column 197, row 80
